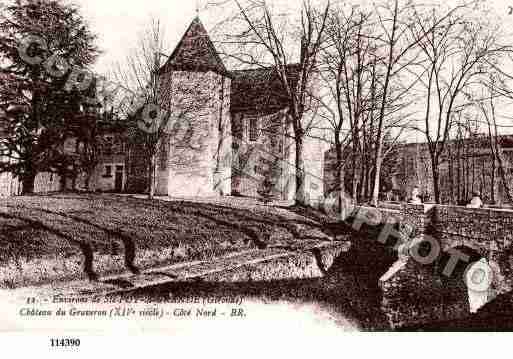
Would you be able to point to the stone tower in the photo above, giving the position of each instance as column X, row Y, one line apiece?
column 194, row 158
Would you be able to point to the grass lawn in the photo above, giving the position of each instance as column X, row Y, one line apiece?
column 67, row 236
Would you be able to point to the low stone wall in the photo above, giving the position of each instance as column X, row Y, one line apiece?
column 414, row 293
column 375, row 216
column 487, row 231
column 491, row 229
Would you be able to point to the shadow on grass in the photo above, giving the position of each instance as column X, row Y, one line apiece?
column 239, row 219
column 128, row 242
column 257, row 226
column 349, row 288
column 85, row 248
column 198, row 211
column 244, row 219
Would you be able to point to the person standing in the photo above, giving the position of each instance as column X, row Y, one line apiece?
column 415, row 196
column 476, row 201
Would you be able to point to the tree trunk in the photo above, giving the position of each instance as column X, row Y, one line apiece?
column 301, row 196
column 370, row 182
column 28, row 181
column 505, row 178
column 377, row 177
column 366, row 180
column 354, row 187
column 458, row 183
column 362, row 182
column 339, row 175
column 89, row 176
column 492, row 185
column 451, row 179
column 436, row 180
column 473, row 172
column 151, row 175
column 62, row 182
column 466, row 169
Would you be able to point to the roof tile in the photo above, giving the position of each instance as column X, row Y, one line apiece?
column 195, row 52
column 260, row 89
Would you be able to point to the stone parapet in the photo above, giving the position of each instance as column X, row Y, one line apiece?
column 415, row 293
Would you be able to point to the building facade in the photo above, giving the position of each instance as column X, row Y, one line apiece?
column 227, row 133
column 467, row 166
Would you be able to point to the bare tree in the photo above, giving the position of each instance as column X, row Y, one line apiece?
column 456, row 49
column 400, row 52
column 161, row 107
column 262, row 37
column 103, row 111
column 140, row 74
column 488, row 109
column 348, row 70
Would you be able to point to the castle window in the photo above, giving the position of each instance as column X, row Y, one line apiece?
column 163, row 158
column 108, row 145
column 108, row 171
column 254, row 131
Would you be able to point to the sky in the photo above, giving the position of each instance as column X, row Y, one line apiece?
column 119, row 23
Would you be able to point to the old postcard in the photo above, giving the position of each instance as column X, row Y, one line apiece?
column 241, row 166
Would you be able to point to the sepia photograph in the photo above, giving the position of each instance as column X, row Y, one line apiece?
column 309, row 167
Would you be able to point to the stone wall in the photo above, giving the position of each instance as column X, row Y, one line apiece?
column 265, row 166
column 189, row 163
column 488, row 231
column 259, row 163
column 415, row 293
column 136, row 168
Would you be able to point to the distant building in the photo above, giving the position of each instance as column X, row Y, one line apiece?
column 111, row 157
column 465, row 168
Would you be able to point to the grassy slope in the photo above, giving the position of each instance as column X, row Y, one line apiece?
column 63, row 226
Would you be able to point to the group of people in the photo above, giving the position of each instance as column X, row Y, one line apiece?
column 475, row 202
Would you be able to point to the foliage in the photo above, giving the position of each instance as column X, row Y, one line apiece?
column 38, row 109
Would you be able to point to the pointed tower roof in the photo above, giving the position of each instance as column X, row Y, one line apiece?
column 195, row 52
